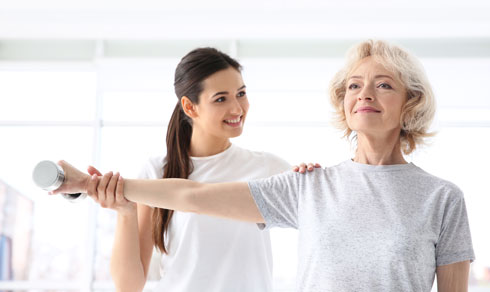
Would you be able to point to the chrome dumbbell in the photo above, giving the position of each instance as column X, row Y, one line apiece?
column 49, row 176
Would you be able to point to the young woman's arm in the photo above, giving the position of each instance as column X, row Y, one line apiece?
column 133, row 244
column 453, row 277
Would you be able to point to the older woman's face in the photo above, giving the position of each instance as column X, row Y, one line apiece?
column 374, row 99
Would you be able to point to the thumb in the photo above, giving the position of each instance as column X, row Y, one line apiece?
column 92, row 170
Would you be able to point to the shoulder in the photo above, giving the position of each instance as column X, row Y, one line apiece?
column 153, row 167
column 274, row 162
column 445, row 188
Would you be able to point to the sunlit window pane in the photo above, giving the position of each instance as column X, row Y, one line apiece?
column 139, row 106
column 57, row 229
column 137, row 74
column 47, row 95
column 280, row 106
column 290, row 75
column 457, row 82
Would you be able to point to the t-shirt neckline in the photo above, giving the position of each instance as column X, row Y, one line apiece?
column 369, row 167
column 217, row 155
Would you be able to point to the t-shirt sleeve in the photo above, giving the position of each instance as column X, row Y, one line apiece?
column 152, row 168
column 277, row 199
column 144, row 171
column 454, row 244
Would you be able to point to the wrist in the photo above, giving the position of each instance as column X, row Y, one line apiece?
column 127, row 212
column 85, row 180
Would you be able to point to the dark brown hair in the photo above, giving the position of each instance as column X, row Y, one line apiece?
column 190, row 73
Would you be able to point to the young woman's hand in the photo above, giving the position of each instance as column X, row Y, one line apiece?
column 303, row 167
column 107, row 191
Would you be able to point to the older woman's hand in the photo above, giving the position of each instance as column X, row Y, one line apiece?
column 108, row 191
column 75, row 180
column 303, row 167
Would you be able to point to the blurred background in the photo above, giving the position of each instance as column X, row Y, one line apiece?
column 91, row 82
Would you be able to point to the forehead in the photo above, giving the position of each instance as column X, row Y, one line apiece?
column 369, row 67
column 223, row 80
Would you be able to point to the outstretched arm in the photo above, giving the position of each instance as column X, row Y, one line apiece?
column 228, row 200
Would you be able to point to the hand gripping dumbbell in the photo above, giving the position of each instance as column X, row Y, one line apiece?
column 49, row 176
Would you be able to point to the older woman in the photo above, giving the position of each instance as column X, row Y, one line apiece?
column 371, row 223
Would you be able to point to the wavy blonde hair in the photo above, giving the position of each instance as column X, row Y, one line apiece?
column 419, row 109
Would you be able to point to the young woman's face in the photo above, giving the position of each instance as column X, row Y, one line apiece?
column 223, row 104
column 374, row 99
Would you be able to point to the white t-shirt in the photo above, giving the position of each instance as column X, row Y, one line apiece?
column 368, row 228
column 213, row 254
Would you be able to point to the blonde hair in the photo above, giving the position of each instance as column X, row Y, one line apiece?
column 419, row 109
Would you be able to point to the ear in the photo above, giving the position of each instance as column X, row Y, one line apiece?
column 188, row 107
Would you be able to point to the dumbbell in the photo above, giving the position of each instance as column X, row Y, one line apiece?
column 49, row 176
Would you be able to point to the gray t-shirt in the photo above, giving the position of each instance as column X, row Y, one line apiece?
column 368, row 228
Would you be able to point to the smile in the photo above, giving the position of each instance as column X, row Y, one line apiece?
column 367, row 109
column 234, row 123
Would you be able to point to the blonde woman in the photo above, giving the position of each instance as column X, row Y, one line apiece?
column 372, row 223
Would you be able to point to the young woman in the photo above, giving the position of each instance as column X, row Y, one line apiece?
column 371, row 223
column 199, row 252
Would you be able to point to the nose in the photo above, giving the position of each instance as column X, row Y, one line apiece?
column 236, row 107
column 367, row 93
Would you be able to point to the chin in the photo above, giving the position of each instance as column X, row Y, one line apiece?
column 234, row 135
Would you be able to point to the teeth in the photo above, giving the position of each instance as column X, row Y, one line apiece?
column 233, row 121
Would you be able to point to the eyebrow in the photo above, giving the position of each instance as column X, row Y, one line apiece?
column 375, row 77
column 226, row 92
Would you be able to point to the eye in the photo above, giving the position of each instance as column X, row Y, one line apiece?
column 385, row 86
column 221, row 99
column 353, row 86
column 241, row 94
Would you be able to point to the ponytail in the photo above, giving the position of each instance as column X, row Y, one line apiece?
column 178, row 165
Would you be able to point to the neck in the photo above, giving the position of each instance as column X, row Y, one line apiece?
column 203, row 145
column 379, row 150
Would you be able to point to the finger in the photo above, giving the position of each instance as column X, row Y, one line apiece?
column 101, row 188
column 120, row 191
column 302, row 168
column 111, row 190
column 91, row 170
column 310, row 166
column 62, row 163
column 317, row 165
column 92, row 188
column 295, row 168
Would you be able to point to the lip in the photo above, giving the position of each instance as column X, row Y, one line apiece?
column 367, row 109
column 234, row 125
